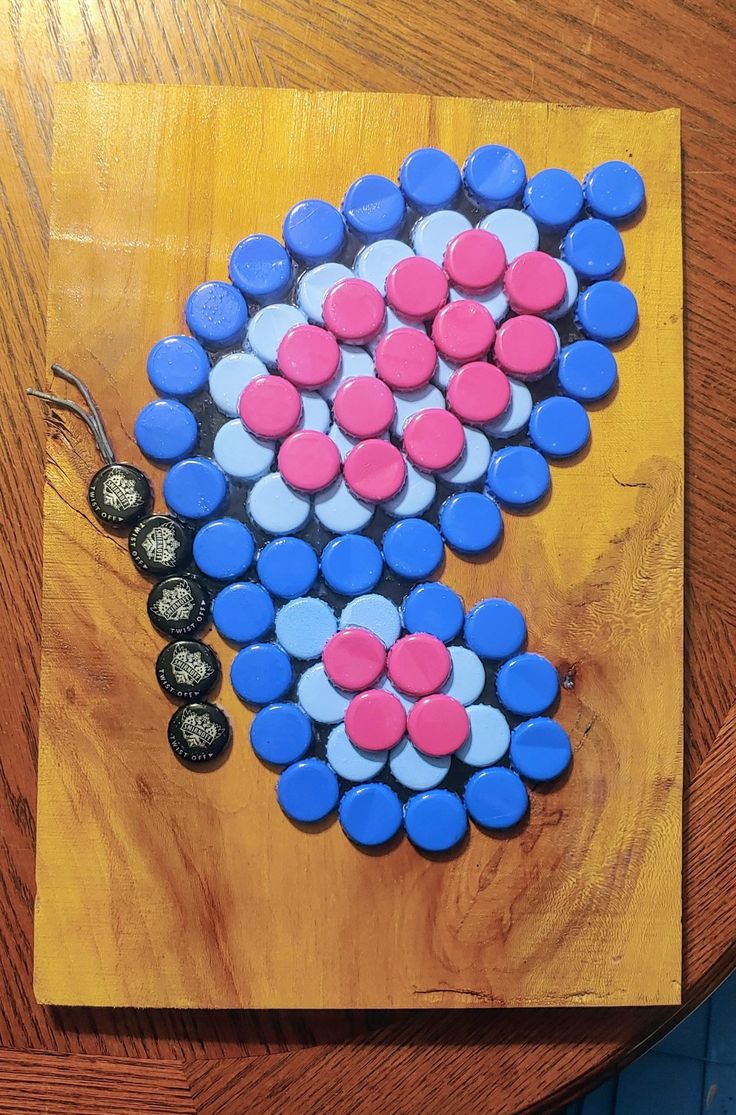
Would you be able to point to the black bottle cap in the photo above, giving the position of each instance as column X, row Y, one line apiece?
column 120, row 495
column 199, row 732
column 178, row 605
column 187, row 669
column 160, row 544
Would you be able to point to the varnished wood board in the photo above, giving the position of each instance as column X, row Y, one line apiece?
column 160, row 886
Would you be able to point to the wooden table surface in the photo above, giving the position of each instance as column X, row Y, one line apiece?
column 634, row 55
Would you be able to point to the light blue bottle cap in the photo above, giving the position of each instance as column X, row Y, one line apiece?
column 413, row 548
column 587, row 370
column 594, row 249
column 261, row 673
column 166, row 430
column 515, row 229
column 307, row 791
column 313, row 287
column 391, row 321
column 467, row 678
column 370, row 815
column 494, row 300
column 417, row 771
column 260, row 268
column 474, row 462
column 340, row 511
column 281, row 733
column 614, row 191
column 494, row 176
column 373, row 208
column 374, row 613
column 430, row 179
column 470, row 522
column 567, row 305
column 350, row 762
column 434, row 609
column 441, row 377
column 224, row 549
column 416, row 495
column 435, row 821
column 559, row 427
column 489, row 737
column 374, row 262
column 195, row 488
column 496, row 798
column 229, row 378
column 516, row 415
column 319, row 698
column 495, row 628
column 287, row 567
column 527, row 684
column 540, row 749
column 240, row 454
column 553, row 198
column 354, row 361
column 431, row 234
column 408, row 403
column 178, row 366
column 217, row 314
column 268, row 328
column 243, row 612
column 607, row 311
column 518, row 476
column 303, row 627
column 314, row 231
column 351, row 564
column 315, row 413
column 407, row 703
column 275, row 507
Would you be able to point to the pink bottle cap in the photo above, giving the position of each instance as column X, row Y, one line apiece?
column 354, row 659
column 438, row 725
column 475, row 260
column 478, row 392
column 374, row 470
column 534, row 283
column 463, row 331
column 406, row 359
column 526, row 347
column 270, row 406
column 309, row 461
column 354, row 310
column 433, row 440
column 363, row 407
column 308, row 356
column 416, row 288
column 419, row 664
column 375, row 720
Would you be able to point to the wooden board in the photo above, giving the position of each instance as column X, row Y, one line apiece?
column 158, row 886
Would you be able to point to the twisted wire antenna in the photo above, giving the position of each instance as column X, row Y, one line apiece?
column 92, row 419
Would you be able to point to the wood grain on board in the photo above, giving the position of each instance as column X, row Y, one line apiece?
column 159, row 886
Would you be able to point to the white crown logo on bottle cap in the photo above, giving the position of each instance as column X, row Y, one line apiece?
column 198, row 730
column 161, row 544
column 120, row 491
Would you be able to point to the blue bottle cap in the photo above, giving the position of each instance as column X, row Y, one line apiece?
column 229, row 378
column 373, row 208
column 217, row 314
column 518, row 476
column 495, row 628
column 260, row 268
column 470, row 522
column 243, row 612
column 607, row 311
column 540, row 749
column 195, row 488
column 224, row 549
column 287, row 567
column 553, row 198
column 467, row 678
column 559, row 427
column 417, row 771
column 413, row 548
column 350, row 762
column 430, row 179
column 240, row 454
column 314, row 231
column 166, row 430
column 434, row 609
column 435, row 821
column 496, row 798
column 614, row 191
column 374, row 613
column 178, row 366
column 304, row 626
column 494, row 176
column 527, row 684
column 319, row 698
column 261, row 673
column 489, row 737
column 594, row 249
column 587, row 370
column 281, row 733
column 352, row 564
column 371, row 814
column 307, row 791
